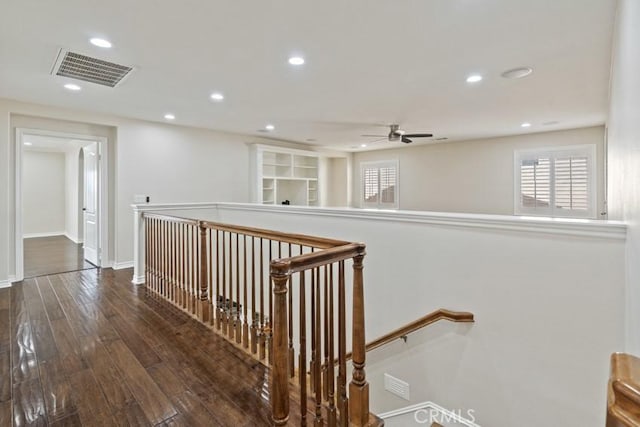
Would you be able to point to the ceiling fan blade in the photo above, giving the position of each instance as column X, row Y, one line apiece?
column 419, row 135
column 373, row 136
column 378, row 140
column 406, row 140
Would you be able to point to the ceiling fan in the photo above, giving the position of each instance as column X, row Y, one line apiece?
column 397, row 134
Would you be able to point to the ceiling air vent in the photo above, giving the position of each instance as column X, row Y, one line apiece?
column 88, row 69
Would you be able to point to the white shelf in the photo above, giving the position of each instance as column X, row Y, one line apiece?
column 286, row 174
column 288, row 178
column 278, row 165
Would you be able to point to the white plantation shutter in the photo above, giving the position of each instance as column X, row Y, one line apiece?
column 556, row 182
column 371, row 184
column 535, row 183
column 380, row 184
column 572, row 183
column 388, row 184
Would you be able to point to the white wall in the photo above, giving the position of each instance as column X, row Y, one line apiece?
column 166, row 162
column 73, row 193
column 176, row 164
column 337, row 190
column 43, row 193
column 624, row 152
column 471, row 176
column 548, row 298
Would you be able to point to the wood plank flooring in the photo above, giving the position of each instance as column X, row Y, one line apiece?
column 89, row 348
column 51, row 255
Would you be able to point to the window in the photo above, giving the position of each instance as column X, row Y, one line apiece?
column 556, row 182
column 380, row 184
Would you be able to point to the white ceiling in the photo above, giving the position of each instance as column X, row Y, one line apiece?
column 367, row 62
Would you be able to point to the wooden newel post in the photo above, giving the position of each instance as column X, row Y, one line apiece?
column 358, row 388
column 204, row 312
column 280, row 274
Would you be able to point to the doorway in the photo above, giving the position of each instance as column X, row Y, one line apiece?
column 60, row 184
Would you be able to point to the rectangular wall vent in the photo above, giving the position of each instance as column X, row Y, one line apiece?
column 396, row 386
column 88, row 69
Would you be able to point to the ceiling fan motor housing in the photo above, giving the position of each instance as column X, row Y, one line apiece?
column 395, row 133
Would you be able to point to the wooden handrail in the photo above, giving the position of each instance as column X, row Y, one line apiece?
column 283, row 267
column 177, row 219
column 293, row 238
column 442, row 314
column 623, row 399
column 249, row 285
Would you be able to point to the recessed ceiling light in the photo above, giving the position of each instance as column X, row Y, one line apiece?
column 28, row 143
column 517, row 73
column 217, row 96
column 363, row 145
column 169, row 116
column 296, row 60
column 100, row 42
column 474, row 78
column 526, row 125
column 269, row 127
column 71, row 86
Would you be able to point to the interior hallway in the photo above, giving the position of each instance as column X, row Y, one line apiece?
column 51, row 255
column 89, row 348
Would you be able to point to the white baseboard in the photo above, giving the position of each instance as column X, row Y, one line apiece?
column 122, row 265
column 138, row 280
column 435, row 411
column 5, row 284
column 73, row 238
column 47, row 234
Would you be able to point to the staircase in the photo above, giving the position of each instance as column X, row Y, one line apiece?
column 281, row 298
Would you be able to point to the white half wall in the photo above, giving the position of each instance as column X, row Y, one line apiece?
column 471, row 176
column 43, row 193
column 624, row 153
column 548, row 296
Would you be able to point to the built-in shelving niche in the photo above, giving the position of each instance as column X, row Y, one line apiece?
column 286, row 175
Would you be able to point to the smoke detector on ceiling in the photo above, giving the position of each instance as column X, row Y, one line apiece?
column 86, row 68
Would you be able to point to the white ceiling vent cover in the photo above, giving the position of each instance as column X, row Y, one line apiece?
column 94, row 70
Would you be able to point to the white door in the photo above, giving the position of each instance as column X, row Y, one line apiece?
column 91, row 228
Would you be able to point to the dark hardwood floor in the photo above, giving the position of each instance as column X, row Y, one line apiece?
column 89, row 348
column 50, row 255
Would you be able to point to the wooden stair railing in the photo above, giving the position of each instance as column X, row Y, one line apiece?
column 281, row 298
column 441, row 314
column 623, row 397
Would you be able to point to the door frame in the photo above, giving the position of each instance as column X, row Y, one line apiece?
column 103, row 197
